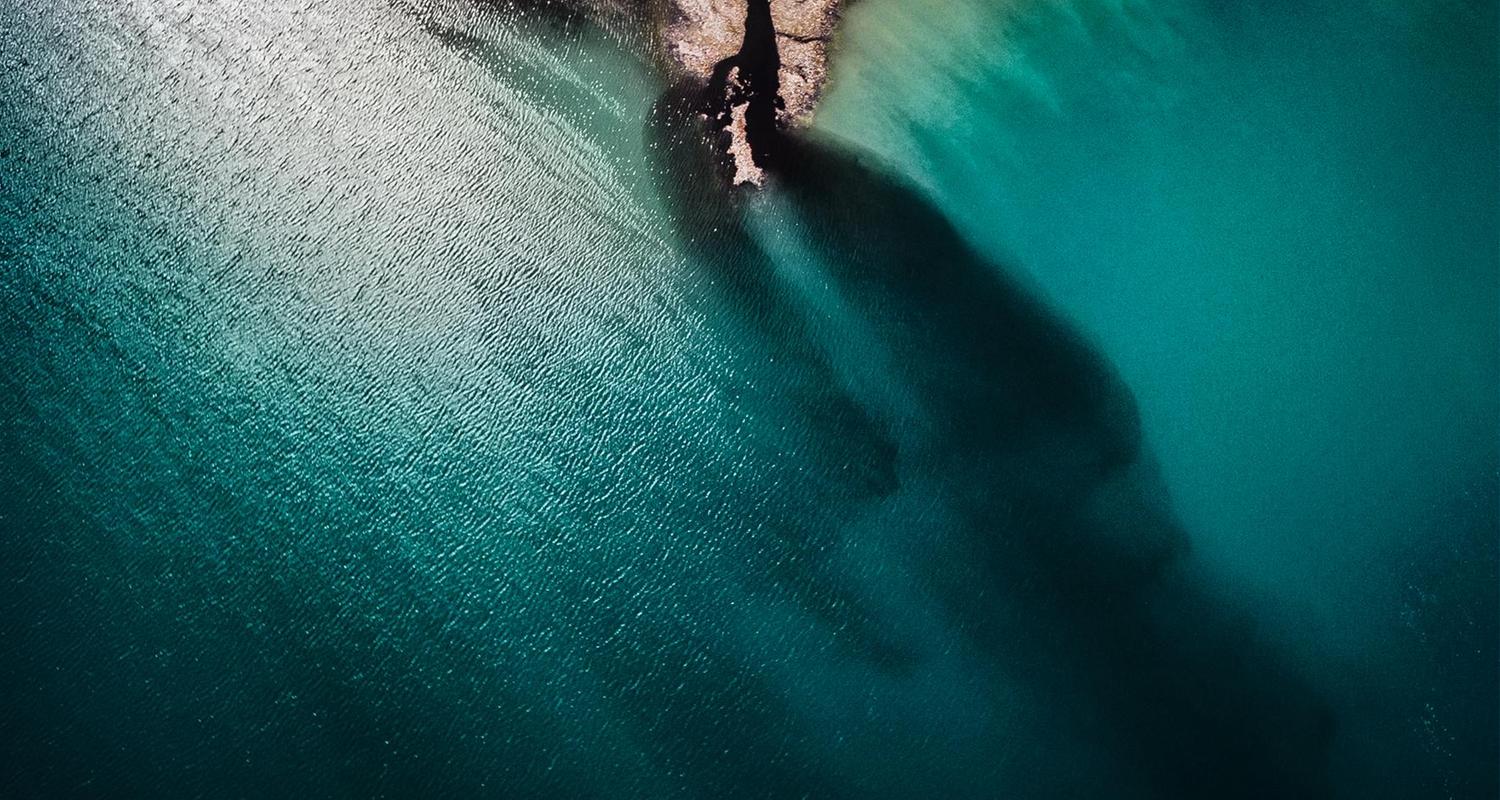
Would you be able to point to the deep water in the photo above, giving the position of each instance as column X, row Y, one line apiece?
column 1100, row 402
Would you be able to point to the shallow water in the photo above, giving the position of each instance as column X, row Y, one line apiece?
column 392, row 409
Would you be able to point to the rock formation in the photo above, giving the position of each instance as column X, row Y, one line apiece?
column 759, row 65
column 763, row 64
column 701, row 33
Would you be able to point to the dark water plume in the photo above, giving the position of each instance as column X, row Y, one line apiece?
column 1067, row 570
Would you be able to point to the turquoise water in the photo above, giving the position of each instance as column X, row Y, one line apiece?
column 392, row 409
column 1280, row 223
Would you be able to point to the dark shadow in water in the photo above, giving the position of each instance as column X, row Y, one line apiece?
column 1449, row 621
column 863, row 467
column 1068, row 570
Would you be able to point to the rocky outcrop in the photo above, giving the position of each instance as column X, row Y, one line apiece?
column 759, row 66
column 701, row 33
column 762, row 63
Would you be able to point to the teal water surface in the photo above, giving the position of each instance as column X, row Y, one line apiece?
column 1279, row 221
column 1103, row 403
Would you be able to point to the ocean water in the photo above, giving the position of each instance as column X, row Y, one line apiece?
column 1100, row 403
column 1279, row 222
